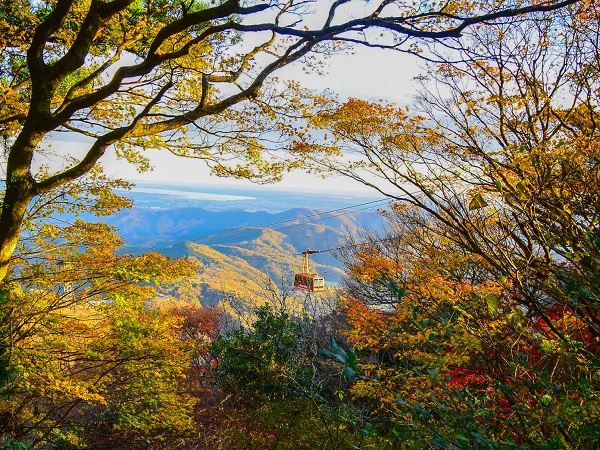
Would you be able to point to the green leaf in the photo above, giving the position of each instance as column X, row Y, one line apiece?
column 440, row 444
column 400, row 293
column 522, row 188
column 326, row 353
column 415, row 311
column 352, row 360
column 478, row 202
column 338, row 350
column 348, row 372
column 331, row 355
column 493, row 303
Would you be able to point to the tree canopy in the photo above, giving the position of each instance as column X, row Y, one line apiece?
column 171, row 74
column 477, row 309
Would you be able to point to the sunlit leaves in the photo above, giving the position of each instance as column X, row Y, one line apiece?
column 78, row 329
column 477, row 202
column 501, row 261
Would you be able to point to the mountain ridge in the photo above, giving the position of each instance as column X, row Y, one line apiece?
column 237, row 248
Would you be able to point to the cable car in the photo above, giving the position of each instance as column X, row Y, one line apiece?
column 307, row 280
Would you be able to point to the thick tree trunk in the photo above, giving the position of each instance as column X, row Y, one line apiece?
column 20, row 190
column 13, row 212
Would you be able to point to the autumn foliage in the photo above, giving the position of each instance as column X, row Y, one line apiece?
column 471, row 321
column 476, row 312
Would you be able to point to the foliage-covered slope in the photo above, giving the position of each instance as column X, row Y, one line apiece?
column 248, row 244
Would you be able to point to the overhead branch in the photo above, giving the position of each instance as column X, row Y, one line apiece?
column 52, row 23
column 225, row 9
column 292, row 54
column 98, row 148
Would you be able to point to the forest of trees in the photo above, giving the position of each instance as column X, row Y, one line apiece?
column 471, row 321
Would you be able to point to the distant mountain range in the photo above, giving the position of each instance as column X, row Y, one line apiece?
column 236, row 247
column 242, row 236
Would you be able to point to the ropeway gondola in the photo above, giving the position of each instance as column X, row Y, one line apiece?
column 307, row 280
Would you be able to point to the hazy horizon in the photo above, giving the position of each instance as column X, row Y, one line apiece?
column 212, row 197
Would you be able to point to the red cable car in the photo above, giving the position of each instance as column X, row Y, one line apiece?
column 307, row 280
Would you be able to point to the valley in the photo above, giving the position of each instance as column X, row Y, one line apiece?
column 239, row 249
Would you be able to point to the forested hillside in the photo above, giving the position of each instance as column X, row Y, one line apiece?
column 304, row 227
column 271, row 243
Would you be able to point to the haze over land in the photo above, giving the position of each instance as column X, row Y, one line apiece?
column 243, row 233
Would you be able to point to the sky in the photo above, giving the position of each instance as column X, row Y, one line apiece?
column 370, row 74
column 367, row 73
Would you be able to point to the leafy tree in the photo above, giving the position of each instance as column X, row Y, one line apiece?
column 200, row 327
column 495, row 225
column 508, row 174
column 456, row 361
column 181, row 75
column 267, row 362
column 280, row 392
column 82, row 347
